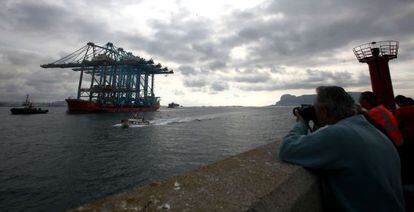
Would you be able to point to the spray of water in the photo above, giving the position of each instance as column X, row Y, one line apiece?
column 175, row 120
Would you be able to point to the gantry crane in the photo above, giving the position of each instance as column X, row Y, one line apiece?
column 117, row 79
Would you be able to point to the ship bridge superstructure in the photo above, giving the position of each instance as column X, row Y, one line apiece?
column 112, row 76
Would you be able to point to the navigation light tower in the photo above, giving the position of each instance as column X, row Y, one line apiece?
column 377, row 55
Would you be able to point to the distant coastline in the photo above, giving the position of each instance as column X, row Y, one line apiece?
column 292, row 100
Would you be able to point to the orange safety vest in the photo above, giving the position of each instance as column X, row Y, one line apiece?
column 386, row 119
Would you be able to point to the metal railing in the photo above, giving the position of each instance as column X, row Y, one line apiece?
column 387, row 49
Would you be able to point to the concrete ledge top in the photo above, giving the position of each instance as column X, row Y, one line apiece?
column 251, row 181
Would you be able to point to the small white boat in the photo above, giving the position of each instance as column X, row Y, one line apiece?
column 140, row 121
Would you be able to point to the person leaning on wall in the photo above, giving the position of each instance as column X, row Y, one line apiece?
column 359, row 166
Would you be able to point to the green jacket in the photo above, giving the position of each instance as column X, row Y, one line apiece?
column 358, row 165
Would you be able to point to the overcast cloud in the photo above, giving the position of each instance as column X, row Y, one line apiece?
column 224, row 48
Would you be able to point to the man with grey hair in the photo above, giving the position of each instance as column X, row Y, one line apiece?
column 358, row 165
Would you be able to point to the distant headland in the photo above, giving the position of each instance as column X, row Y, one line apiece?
column 292, row 100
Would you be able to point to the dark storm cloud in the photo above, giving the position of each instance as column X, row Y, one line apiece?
column 7, row 75
column 302, row 34
column 17, row 80
column 275, row 35
column 215, row 65
column 40, row 85
column 252, row 77
column 406, row 53
column 311, row 80
column 44, row 21
column 308, row 33
column 187, row 70
column 35, row 16
column 219, row 86
column 279, row 69
column 195, row 83
column 183, row 40
column 318, row 76
column 20, row 74
column 303, row 30
column 27, row 28
column 51, row 84
column 16, row 57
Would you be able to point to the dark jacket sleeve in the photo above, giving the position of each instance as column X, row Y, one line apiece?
column 319, row 150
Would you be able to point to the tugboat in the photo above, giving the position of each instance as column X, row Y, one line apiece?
column 173, row 105
column 28, row 108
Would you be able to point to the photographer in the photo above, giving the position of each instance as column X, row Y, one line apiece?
column 358, row 165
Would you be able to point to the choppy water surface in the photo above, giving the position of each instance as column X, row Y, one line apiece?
column 57, row 161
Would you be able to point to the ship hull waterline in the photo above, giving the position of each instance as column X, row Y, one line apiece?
column 83, row 106
column 27, row 111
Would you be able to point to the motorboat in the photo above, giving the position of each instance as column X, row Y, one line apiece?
column 135, row 120
column 173, row 105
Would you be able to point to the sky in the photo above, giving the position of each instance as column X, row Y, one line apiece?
column 223, row 52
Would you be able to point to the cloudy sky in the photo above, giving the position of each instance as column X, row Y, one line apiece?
column 223, row 52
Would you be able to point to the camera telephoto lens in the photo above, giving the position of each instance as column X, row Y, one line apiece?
column 295, row 110
column 306, row 111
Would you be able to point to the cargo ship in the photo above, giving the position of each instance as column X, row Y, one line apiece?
column 116, row 80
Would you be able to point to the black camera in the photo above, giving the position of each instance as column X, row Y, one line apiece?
column 306, row 111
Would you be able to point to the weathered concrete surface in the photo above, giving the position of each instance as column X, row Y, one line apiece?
column 252, row 181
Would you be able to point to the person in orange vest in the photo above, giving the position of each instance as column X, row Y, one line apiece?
column 382, row 116
column 405, row 118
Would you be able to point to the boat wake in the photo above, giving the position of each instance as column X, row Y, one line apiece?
column 183, row 119
column 132, row 125
column 176, row 120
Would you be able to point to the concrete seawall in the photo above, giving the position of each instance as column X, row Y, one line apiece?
column 251, row 181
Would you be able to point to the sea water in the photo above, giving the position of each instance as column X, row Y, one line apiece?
column 57, row 161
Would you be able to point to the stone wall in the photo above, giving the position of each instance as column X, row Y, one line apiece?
column 252, row 181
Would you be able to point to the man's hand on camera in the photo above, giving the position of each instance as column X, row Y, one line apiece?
column 299, row 118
